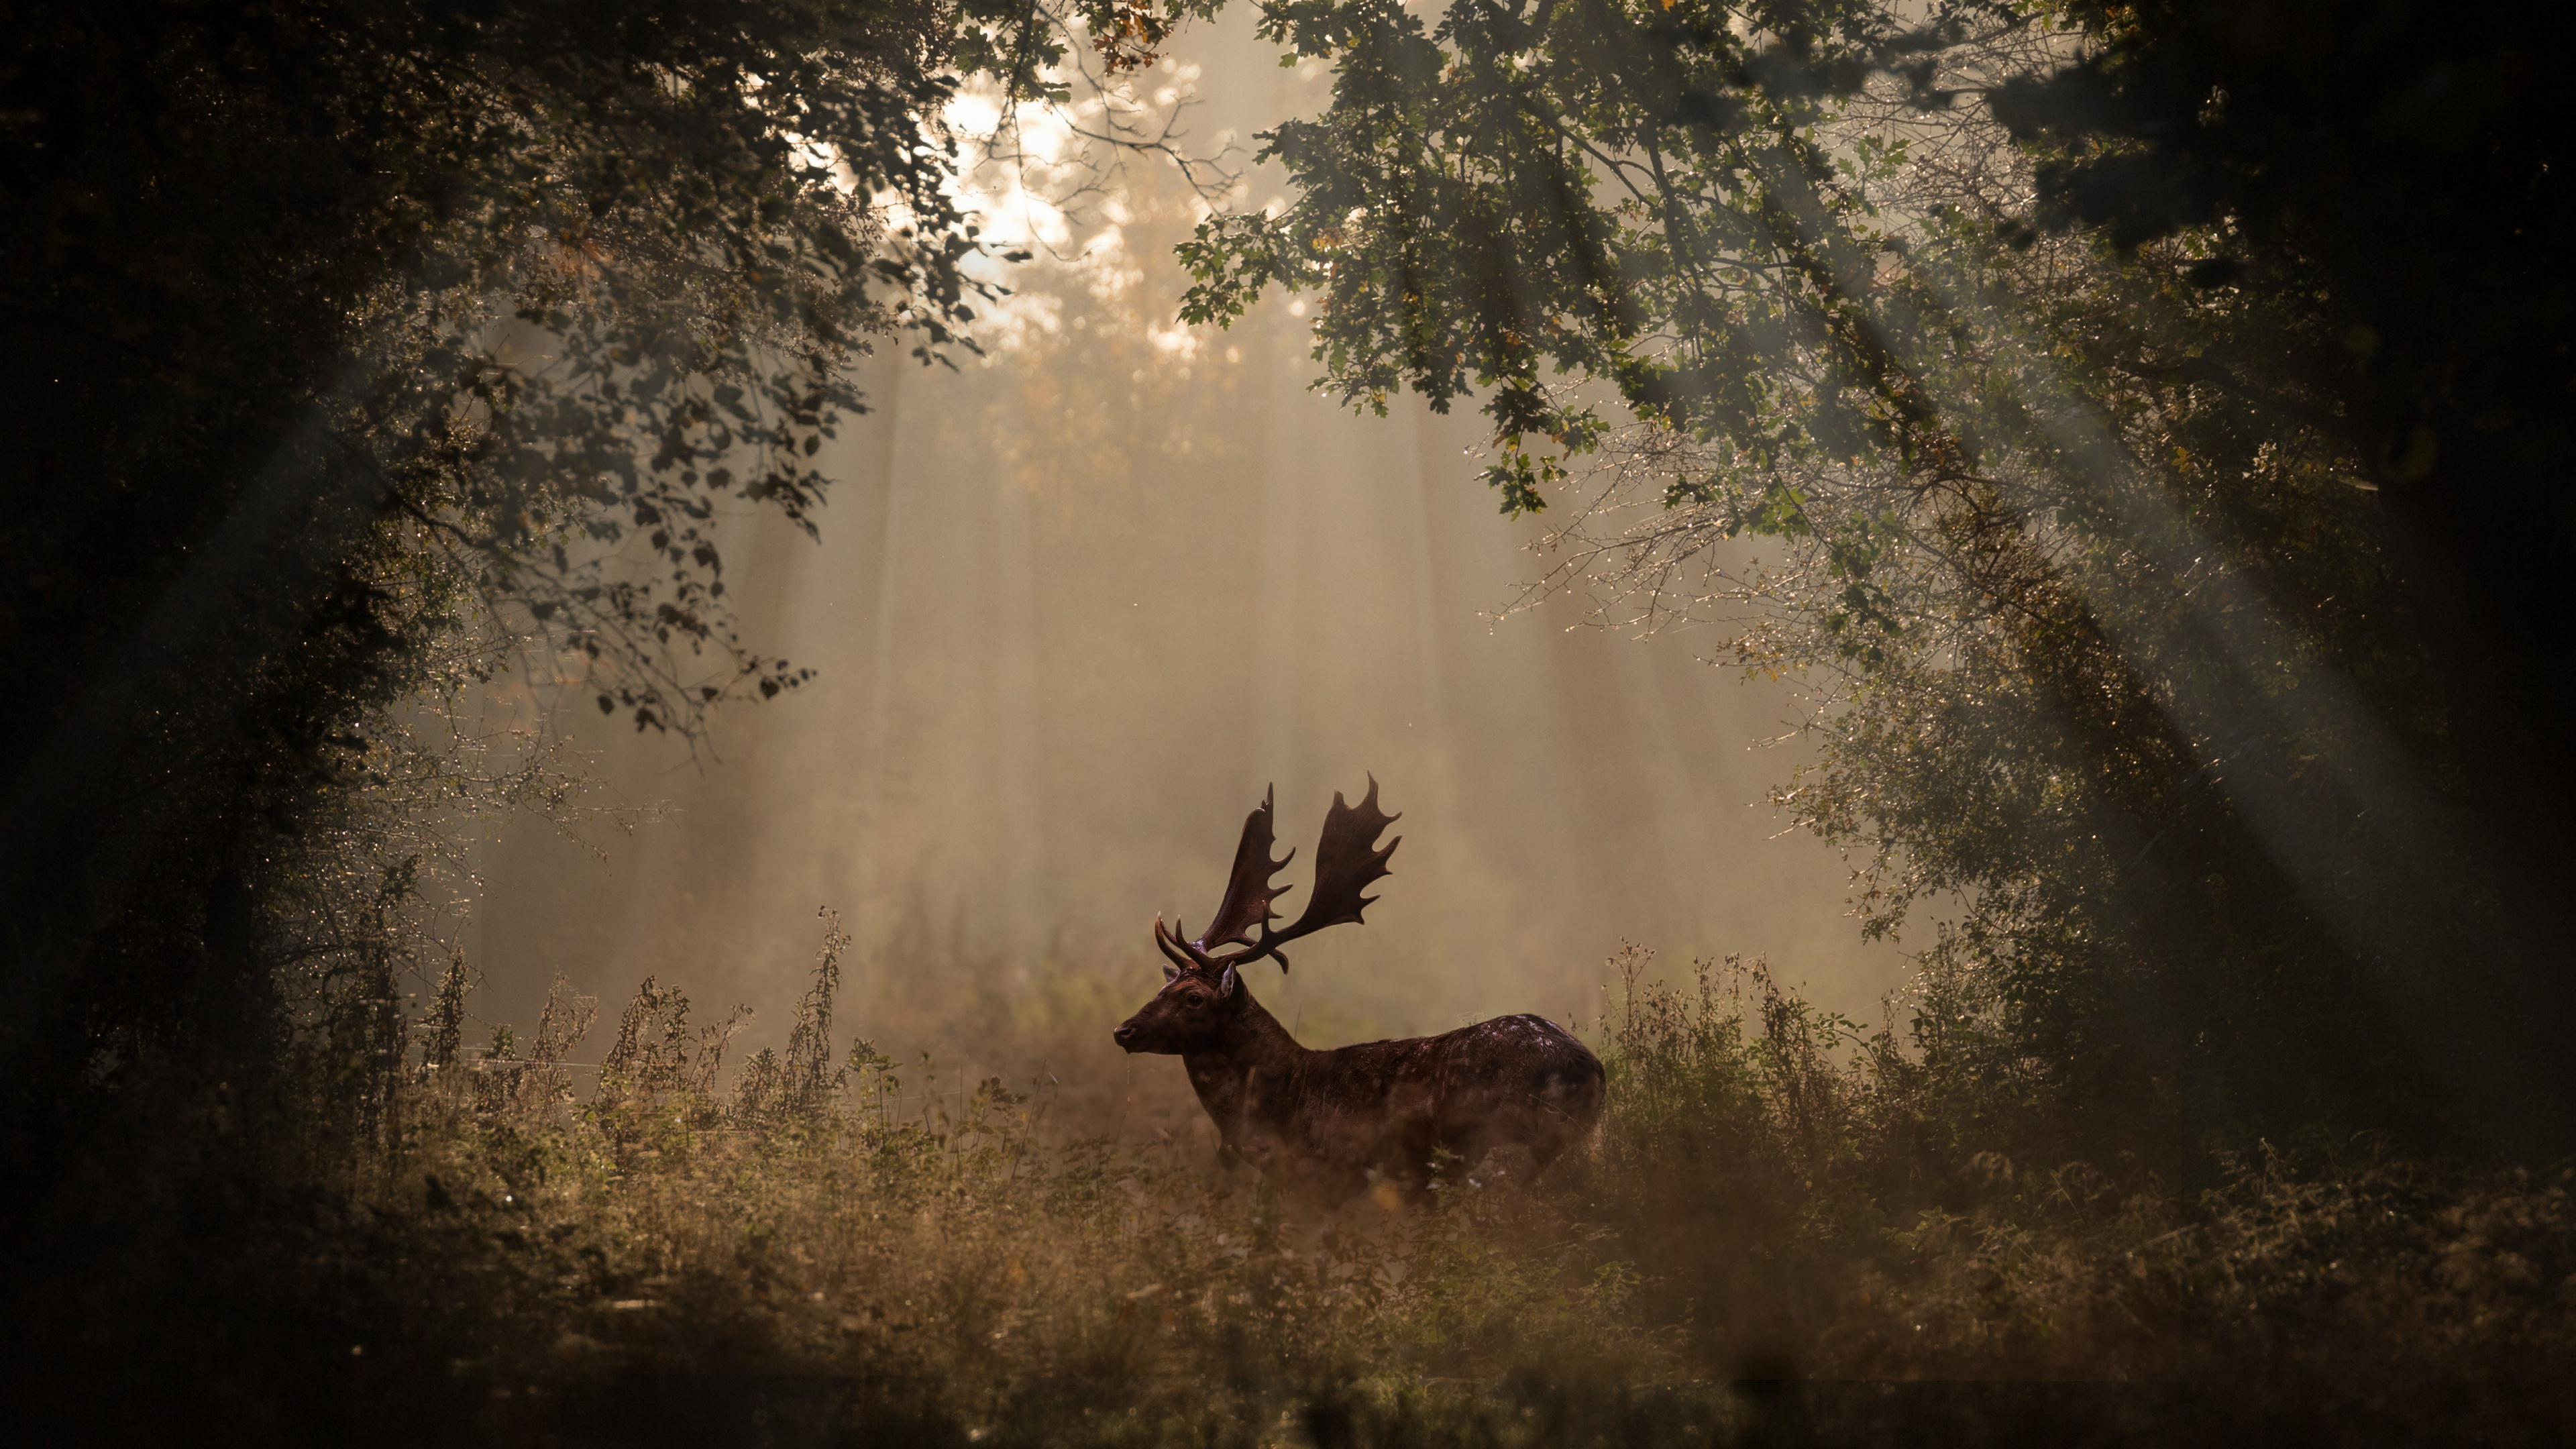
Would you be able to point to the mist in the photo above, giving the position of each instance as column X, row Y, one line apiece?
column 1077, row 604
column 629, row 619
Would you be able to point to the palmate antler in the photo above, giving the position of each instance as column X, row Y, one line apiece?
column 1249, row 891
column 1347, row 861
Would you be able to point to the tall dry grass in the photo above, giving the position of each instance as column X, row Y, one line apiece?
column 1787, row 1225
column 617, row 1227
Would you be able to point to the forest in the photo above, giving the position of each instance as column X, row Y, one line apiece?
column 2118, row 433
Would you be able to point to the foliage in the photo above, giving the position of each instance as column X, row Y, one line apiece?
column 2442, row 268
column 2119, row 653
column 2395, row 174
column 362, row 352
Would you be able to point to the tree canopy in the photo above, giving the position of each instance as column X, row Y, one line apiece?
column 356, row 342
column 2135, row 417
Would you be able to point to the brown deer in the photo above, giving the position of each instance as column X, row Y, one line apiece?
column 1332, row 1123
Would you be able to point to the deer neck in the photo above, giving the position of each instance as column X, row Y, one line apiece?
column 1250, row 1057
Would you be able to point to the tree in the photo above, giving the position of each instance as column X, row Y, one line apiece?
column 2082, row 524
column 354, row 339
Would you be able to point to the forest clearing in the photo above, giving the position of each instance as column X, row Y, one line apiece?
column 1966, row 603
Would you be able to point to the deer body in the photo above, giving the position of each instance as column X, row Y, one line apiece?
column 1331, row 1123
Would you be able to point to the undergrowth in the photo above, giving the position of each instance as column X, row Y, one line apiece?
column 1787, row 1229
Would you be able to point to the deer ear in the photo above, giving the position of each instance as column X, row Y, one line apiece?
column 1171, row 972
column 1225, row 984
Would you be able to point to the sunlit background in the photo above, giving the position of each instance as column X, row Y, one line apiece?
column 1077, row 603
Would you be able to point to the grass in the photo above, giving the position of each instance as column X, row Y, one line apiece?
column 1788, row 1229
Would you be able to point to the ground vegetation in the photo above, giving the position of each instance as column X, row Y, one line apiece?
column 613, row 1232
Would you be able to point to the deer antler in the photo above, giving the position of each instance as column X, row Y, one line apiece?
column 1183, row 954
column 1347, row 861
column 1249, row 892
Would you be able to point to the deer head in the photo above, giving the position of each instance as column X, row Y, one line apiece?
column 1201, row 977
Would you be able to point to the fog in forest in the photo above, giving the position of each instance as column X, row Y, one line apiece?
column 1075, row 605
column 570, row 886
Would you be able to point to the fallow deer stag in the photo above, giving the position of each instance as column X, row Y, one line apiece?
column 1330, row 1123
